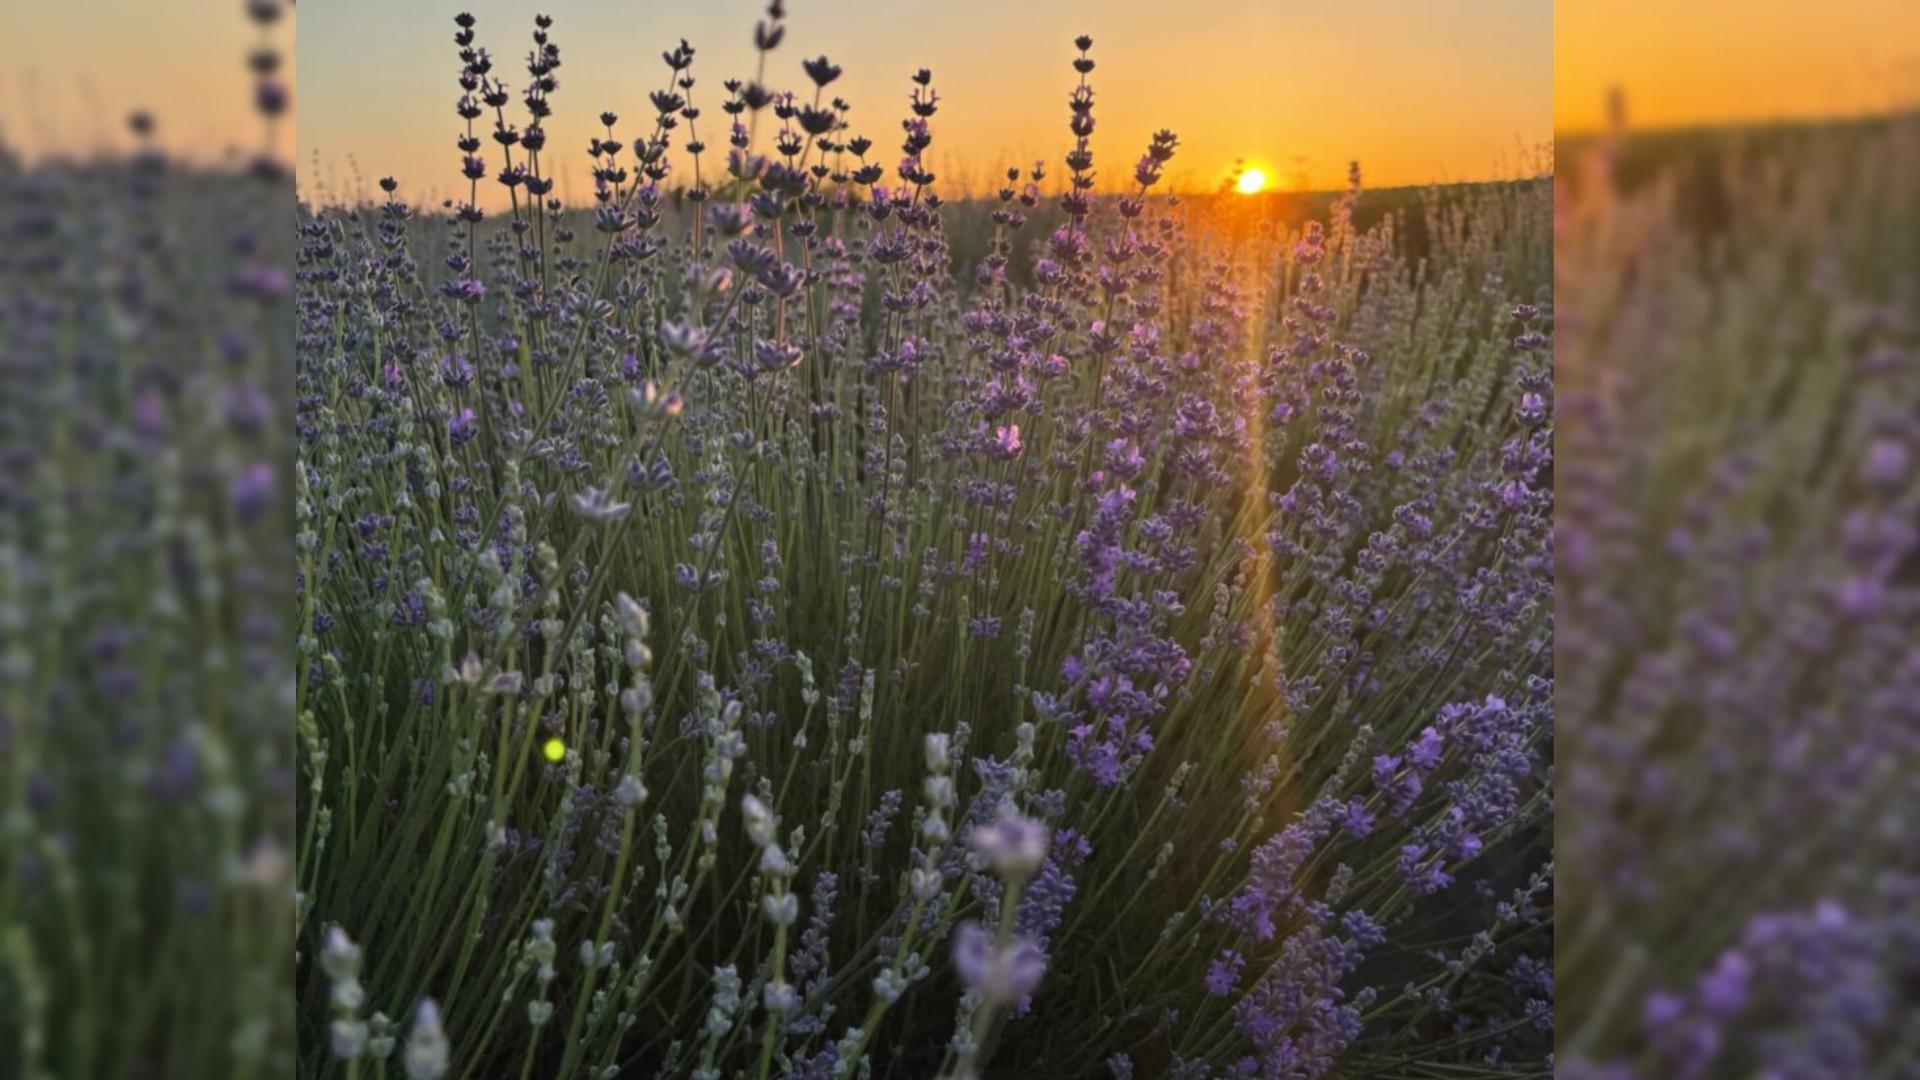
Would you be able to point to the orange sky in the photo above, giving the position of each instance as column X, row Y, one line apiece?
column 1709, row 61
column 1417, row 90
column 71, row 71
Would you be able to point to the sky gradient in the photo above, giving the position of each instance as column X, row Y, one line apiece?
column 1687, row 62
column 72, row 70
column 1416, row 90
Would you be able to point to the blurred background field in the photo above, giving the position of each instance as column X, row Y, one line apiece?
column 145, row 542
column 1738, row 300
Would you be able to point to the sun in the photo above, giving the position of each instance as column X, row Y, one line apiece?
column 1251, row 182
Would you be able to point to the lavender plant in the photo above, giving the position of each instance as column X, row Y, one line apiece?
column 145, row 535
column 1741, row 888
column 739, row 638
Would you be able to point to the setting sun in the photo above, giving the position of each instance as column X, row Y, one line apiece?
column 1250, row 182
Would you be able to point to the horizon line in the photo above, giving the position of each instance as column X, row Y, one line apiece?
column 990, row 194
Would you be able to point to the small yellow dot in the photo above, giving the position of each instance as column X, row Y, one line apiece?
column 554, row 749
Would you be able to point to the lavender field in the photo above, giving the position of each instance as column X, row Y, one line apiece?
column 146, row 677
column 1739, row 886
column 742, row 637
column 654, row 552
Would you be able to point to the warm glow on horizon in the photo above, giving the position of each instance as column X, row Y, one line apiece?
column 1722, row 61
column 71, row 73
column 1417, row 91
column 1251, row 182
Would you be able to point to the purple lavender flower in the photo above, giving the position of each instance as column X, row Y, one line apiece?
column 1000, row 974
column 462, row 427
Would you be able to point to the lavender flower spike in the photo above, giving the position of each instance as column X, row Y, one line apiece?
column 1000, row 974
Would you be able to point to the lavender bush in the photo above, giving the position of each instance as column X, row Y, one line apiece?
column 146, row 775
column 1740, row 884
column 739, row 638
